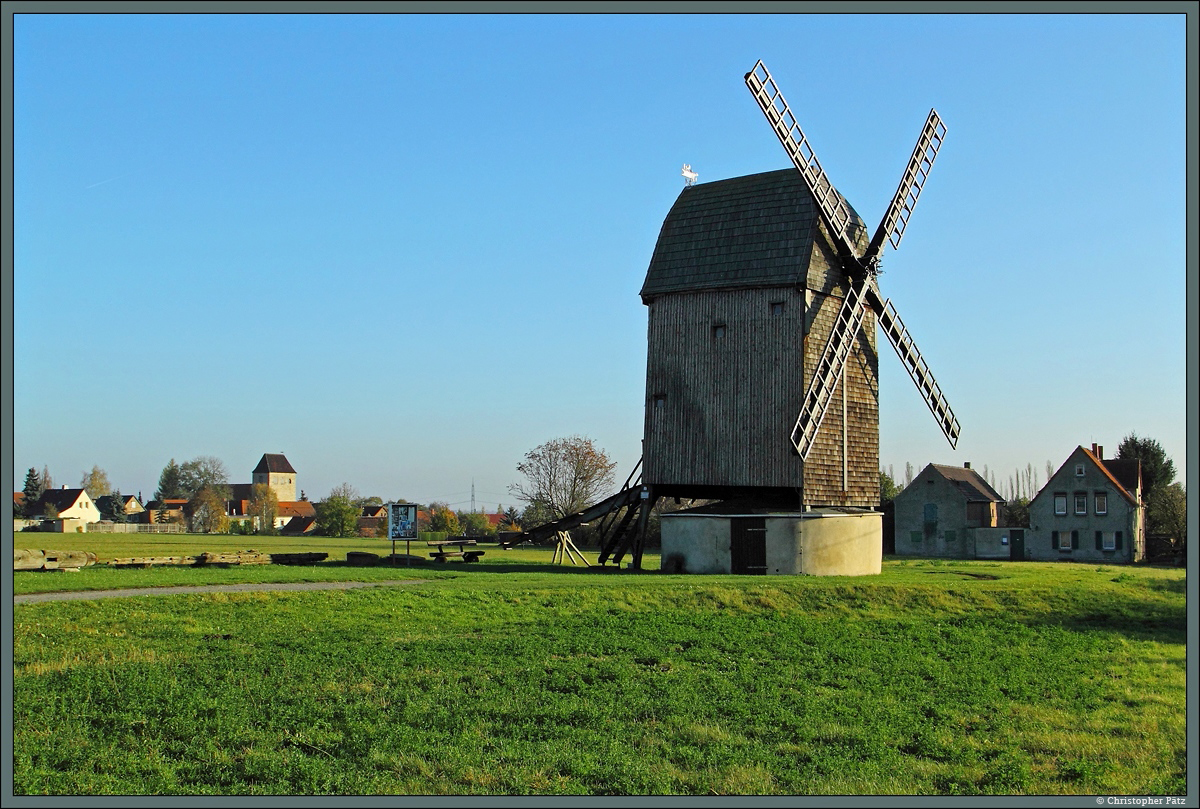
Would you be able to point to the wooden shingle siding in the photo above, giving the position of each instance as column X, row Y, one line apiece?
column 823, row 478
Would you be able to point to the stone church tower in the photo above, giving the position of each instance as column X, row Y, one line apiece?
column 276, row 472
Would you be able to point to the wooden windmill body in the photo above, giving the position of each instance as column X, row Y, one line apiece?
column 742, row 292
column 763, row 303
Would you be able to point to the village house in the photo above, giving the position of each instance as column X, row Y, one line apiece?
column 951, row 511
column 129, row 505
column 1090, row 510
column 67, row 509
column 164, row 511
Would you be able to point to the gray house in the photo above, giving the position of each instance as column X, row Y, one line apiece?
column 1090, row 510
column 952, row 511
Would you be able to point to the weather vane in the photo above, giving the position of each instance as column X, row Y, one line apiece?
column 689, row 176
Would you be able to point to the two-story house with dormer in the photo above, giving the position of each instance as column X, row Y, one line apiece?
column 1090, row 510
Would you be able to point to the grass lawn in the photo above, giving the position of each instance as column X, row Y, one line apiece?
column 512, row 676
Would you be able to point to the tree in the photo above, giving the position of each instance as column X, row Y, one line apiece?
column 337, row 515
column 1169, row 515
column 201, row 472
column 112, row 507
column 264, row 505
column 47, row 481
column 512, row 517
column 1158, row 473
column 887, row 488
column 441, row 518
column 474, row 524
column 206, row 511
column 170, row 483
column 32, row 493
column 95, row 483
column 535, row 514
column 1015, row 513
column 564, row 476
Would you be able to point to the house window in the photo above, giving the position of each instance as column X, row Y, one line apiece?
column 1107, row 542
column 776, row 308
column 1101, row 502
column 1081, row 503
column 1078, row 470
column 660, row 400
column 914, row 536
column 718, row 330
column 1060, row 504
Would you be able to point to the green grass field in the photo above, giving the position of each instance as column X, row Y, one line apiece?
column 512, row 676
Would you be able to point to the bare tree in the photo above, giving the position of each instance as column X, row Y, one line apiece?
column 95, row 483
column 564, row 476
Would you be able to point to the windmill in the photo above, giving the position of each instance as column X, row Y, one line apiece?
column 860, row 265
column 762, row 299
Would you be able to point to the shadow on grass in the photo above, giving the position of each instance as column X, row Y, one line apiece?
column 1153, row 622
column 501, row 567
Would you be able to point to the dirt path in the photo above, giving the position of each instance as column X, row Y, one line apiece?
column 83, row 595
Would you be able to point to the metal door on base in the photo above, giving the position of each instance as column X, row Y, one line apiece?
column 748, row 545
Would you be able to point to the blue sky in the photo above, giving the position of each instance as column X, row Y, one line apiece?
column 403, row 250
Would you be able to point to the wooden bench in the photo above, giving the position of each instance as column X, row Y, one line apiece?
column 446, row 549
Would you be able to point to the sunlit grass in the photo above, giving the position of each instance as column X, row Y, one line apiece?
column 519, row 679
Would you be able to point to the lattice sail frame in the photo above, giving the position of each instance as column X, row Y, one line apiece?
column 860, row 266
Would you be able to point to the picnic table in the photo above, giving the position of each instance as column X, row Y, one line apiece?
column 453, row 547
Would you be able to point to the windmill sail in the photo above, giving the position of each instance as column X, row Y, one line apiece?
column 919, row 165
column 834, row 209
column 859, row 266
column 918, row 369
column 829, row 369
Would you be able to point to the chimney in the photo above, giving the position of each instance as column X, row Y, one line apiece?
column 1100, row 453
column 64, row 486
column 966, row 465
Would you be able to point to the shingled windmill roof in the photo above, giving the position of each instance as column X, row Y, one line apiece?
column 752, row 231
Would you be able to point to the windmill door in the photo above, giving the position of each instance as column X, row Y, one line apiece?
column 748, row 545
column 1016, row 544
